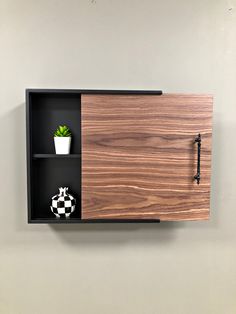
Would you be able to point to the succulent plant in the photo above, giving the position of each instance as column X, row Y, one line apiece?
column 62, row 131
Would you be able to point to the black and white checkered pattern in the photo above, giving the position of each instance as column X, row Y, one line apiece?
column 63, row 204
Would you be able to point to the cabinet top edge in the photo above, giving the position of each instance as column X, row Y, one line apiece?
column 92, row 91
column 114, row 92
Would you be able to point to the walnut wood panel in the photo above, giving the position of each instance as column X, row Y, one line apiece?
column 139, row 156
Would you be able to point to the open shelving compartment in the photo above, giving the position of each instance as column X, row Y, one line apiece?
column 46, row 170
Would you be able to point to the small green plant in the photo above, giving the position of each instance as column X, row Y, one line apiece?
column 62, row 131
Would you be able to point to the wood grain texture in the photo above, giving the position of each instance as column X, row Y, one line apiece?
column 139, row 156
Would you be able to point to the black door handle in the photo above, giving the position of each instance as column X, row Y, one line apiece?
column 198, row 140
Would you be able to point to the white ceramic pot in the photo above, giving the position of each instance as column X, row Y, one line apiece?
column 62, row 145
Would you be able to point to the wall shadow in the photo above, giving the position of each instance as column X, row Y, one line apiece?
column 16, row 119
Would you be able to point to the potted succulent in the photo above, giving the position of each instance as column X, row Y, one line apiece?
column 62, row 140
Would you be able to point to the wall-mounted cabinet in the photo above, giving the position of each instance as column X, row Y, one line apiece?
column 134, row 156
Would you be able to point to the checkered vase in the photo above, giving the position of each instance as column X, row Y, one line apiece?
column 63, row 204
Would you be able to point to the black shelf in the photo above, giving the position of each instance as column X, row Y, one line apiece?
column 46, row 170
column 69, row 156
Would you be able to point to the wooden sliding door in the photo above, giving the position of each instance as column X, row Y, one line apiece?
column 139, row 157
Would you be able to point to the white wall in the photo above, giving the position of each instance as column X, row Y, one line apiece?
column 176, row 46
